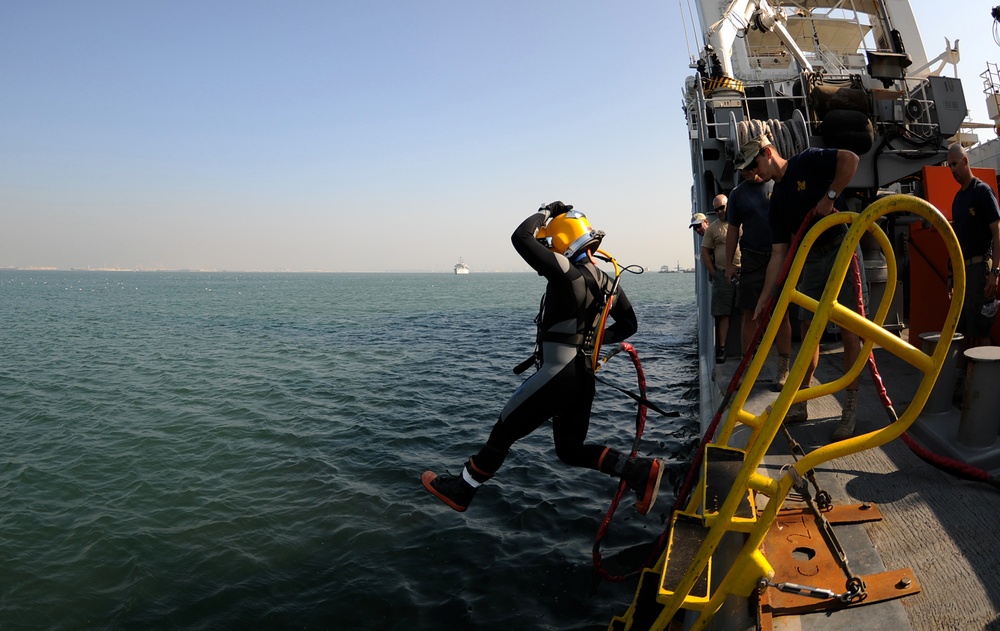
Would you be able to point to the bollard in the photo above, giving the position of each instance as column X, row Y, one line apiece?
column 980, row 420
column 939, row 400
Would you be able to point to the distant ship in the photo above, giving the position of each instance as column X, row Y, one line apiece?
column 461, row 267
column 665, row 269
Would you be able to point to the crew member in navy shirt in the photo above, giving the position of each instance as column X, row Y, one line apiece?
column 976, row 221
column 813, row 179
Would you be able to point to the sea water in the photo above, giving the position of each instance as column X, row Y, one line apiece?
column 244, row 450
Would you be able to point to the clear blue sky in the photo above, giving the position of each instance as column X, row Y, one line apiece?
column 353, row 136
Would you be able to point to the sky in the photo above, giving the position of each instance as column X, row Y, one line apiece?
column 382, row 135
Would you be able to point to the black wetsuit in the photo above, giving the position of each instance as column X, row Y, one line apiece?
column 563, row 387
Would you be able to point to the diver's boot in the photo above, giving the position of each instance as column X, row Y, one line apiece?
column 782, row 377
column 643, row 476
column 456, row 491
column 848, row 417
column 798, row 413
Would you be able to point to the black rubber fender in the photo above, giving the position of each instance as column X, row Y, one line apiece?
column 847, row 129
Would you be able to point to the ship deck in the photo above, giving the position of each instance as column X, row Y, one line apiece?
column 943, row 528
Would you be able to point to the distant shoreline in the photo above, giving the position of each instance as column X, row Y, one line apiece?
column 244, row 271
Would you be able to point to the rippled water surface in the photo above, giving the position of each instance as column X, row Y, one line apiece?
column 215, row 451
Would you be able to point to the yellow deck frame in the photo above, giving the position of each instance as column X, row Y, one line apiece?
column 750, row 565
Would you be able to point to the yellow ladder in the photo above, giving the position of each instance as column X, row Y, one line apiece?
column 682, row 577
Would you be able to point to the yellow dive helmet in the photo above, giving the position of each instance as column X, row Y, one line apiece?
column 569, row 234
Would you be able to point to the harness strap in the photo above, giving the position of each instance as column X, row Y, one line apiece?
column 595, row 329
column 573, row 339
column 590, row 317
column 526, row 364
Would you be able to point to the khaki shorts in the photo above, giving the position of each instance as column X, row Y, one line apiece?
column 723, row 294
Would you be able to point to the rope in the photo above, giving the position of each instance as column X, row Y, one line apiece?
column 957, row 468
column 689, row 480
column 640, row 399
column 949, row 465
column 954, row 467
column 640, row 426
column 684, row 493
column 788, row 137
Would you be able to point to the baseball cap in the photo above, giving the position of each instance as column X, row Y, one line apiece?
column 749, row 151
column 696, row 220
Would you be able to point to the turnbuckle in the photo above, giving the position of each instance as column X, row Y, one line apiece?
column 855, row 590
column 823, row 498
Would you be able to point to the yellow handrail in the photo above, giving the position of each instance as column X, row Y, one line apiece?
column 750, row 564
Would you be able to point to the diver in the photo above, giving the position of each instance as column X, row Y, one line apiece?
column 559, row 243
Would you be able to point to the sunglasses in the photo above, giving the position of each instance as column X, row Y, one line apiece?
column 750, row 168
column 718, row 208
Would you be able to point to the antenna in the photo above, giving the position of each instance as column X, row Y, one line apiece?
column 996, row 20
column 687, row 42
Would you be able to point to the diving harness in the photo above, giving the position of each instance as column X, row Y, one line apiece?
column 591, row 319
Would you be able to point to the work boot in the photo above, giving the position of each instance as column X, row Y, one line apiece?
column 848, row 417
column 453, row 490
column 643, row 476
column 798, row 413
column 720, row 355
column 782, row 377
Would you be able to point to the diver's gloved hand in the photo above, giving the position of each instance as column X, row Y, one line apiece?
column 557, row 208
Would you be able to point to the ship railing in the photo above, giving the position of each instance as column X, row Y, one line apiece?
column 910, row 108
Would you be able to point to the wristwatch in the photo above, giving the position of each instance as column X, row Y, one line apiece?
column 832, row 194
column 996, row 271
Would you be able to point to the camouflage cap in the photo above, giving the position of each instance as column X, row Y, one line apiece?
column 749, row 151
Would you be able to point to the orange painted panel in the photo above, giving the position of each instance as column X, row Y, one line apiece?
column 928, row 289
column 940, row 186
column 929, row 258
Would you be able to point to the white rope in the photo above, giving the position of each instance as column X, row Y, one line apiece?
column 787, row 136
